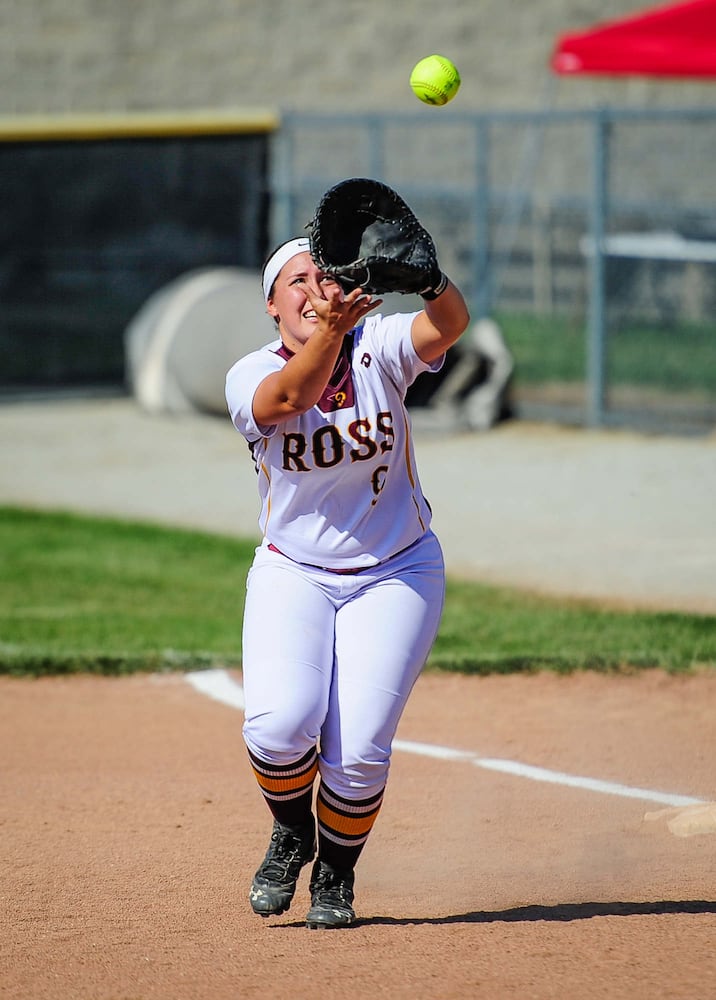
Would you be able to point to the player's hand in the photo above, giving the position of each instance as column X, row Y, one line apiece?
column 338, row 313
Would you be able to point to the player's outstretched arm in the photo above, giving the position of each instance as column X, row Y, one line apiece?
column 300, row 383
column 441, row 323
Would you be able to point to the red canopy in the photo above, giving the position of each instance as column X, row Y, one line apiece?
column 676, row 40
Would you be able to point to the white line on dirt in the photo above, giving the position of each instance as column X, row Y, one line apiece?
column 220, row 686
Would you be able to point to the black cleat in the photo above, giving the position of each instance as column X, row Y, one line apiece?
column 275, row 881
column 331, row 897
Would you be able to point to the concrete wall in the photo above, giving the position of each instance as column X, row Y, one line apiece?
column 60, row 56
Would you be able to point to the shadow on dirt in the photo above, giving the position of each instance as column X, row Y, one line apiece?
column 558, row 912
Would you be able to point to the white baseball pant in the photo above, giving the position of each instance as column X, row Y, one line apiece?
column 330, row 659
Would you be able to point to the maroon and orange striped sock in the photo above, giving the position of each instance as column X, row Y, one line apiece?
column 288, row 788
column 344, row 826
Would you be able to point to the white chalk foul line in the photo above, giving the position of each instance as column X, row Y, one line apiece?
column 220, row 686
column 543, row 774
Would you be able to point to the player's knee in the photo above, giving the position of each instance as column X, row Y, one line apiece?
column 359, row 775
column 272, row 737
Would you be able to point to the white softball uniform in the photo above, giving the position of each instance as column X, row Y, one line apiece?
column 345, row 594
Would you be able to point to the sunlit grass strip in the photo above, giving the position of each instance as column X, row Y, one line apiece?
column 83, row 594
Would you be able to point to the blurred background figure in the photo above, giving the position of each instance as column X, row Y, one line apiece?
column 475, row 392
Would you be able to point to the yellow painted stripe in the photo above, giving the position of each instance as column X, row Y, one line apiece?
column 135, row 125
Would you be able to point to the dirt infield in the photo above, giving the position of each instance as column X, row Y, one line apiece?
column 130, row 826
column 534, row 848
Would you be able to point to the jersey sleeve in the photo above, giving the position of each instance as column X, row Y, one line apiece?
column 242, row 381
column 389, row 337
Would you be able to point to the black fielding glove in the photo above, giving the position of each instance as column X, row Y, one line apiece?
column 364, row 235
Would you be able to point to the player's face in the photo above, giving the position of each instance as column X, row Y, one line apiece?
column 288, row 302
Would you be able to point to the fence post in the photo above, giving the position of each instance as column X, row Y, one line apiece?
column 596, row 326
column 481, row 270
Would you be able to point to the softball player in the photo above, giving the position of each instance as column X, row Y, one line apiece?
column 346, row 590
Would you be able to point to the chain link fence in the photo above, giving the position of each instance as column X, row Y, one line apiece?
column 588, row 236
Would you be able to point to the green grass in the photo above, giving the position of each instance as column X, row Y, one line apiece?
column 102, row 595
column 494, row 630
column 679, row 357
column 106, row 596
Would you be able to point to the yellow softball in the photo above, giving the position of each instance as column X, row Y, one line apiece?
column 435, row 80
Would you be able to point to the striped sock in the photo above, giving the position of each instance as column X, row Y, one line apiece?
column 288, row 788
column 344, row 826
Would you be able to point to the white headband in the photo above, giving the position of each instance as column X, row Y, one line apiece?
column 282, row 256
